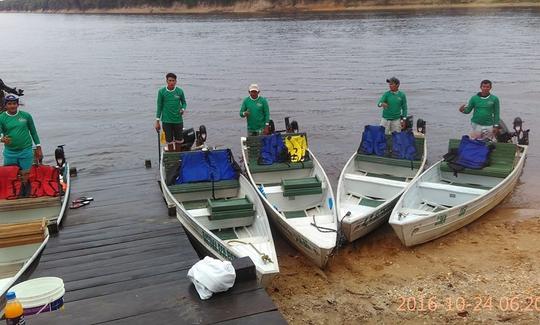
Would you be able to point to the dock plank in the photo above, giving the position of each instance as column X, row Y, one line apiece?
column 124, row 261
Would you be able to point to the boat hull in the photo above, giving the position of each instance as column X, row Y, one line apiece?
column 413, row 230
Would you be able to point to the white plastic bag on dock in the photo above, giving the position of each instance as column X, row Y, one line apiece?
column 211, row 275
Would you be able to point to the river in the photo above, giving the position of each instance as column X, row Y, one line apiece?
column 91, row 80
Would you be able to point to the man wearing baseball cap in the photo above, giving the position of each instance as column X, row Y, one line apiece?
column 394, row 106
column 18, row 132
column 4, row 87
column 256, row 111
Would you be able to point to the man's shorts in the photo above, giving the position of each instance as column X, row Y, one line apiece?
column 173, row 131
column 482, row 131
column 23, row 158
column 391, row 125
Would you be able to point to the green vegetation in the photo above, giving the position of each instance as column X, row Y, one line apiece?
column 82, row 5
column 85, row 5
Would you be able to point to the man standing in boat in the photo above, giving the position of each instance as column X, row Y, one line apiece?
column 394, row 106
column 18, row 132
column 485, row 120
column 171, row 104
column 256, row 111
column 9, row 90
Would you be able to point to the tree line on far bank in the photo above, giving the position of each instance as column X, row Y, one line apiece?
column 82, row 5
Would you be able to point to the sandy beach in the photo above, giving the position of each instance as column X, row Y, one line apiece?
column 487, row 272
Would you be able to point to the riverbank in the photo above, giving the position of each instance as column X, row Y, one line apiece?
column 486, row 272
column 291, row 6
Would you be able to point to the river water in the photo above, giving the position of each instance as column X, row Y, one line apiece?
column 91, row 80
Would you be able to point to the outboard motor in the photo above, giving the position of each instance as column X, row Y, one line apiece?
column 189, row 138
column 60, row 156
column 407, row 123
column 521, row 135
column 420, row 126
column 201, row 135
column 504, row 135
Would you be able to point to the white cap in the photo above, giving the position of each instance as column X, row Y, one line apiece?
column 254, row 87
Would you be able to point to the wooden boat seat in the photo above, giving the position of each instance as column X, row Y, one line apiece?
column 230, row 208
column 18, row 234
column 452, row 188
column 203, row 186
column 29, row 203
column 375, row 180
column 387, row 158
column 501, row 160
column 301, row 186
column 253, row 144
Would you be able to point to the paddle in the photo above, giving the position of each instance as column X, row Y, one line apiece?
column 159, row 148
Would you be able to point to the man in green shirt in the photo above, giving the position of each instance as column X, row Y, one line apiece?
column 485, row 119
column 18, row 132
column 171, row 104
column 256, row 111
column 394, row 105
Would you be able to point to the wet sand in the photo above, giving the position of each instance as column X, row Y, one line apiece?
column 487, row 272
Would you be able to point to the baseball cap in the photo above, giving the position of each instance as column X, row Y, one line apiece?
column 393, row 80
column 11, row 98
column 254, row 87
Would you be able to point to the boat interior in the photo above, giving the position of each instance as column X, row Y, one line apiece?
column 368, row 181
column 295, row 189
column 228, row 207
column 442, row 188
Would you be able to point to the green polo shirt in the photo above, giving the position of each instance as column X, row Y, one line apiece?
column 486, row 109
column 259, row 113
column 397, row 105
column 169, row 104
column 20, row 129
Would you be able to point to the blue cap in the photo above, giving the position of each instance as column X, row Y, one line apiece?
column 10, row 295
column 11, row 98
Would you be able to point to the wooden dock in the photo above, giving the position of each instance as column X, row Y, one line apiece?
column 124, row 261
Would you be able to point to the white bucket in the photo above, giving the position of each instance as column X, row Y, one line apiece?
column 40, row 295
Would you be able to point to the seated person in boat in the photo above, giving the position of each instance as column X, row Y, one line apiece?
column 18, row 132
column 394, row 106
column 256, row 111
column 171, row 104
column 9, row 90
column 485, row 108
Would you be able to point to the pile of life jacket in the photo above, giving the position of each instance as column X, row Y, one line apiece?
column 471, row 153
column 42, row 181
column 205, row 166
column 275, row 150
column 296, row 147
column 374, row 143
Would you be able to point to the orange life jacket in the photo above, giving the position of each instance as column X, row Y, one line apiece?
column 10, row 184
column 45, row 181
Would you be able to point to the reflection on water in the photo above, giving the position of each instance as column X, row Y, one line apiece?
column 91, row 80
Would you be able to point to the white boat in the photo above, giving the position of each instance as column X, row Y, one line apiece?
column 52, row 208
column 226, row 218
column 369, row 186
column 21, row 246
column 440, row 201
column 298, row 198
